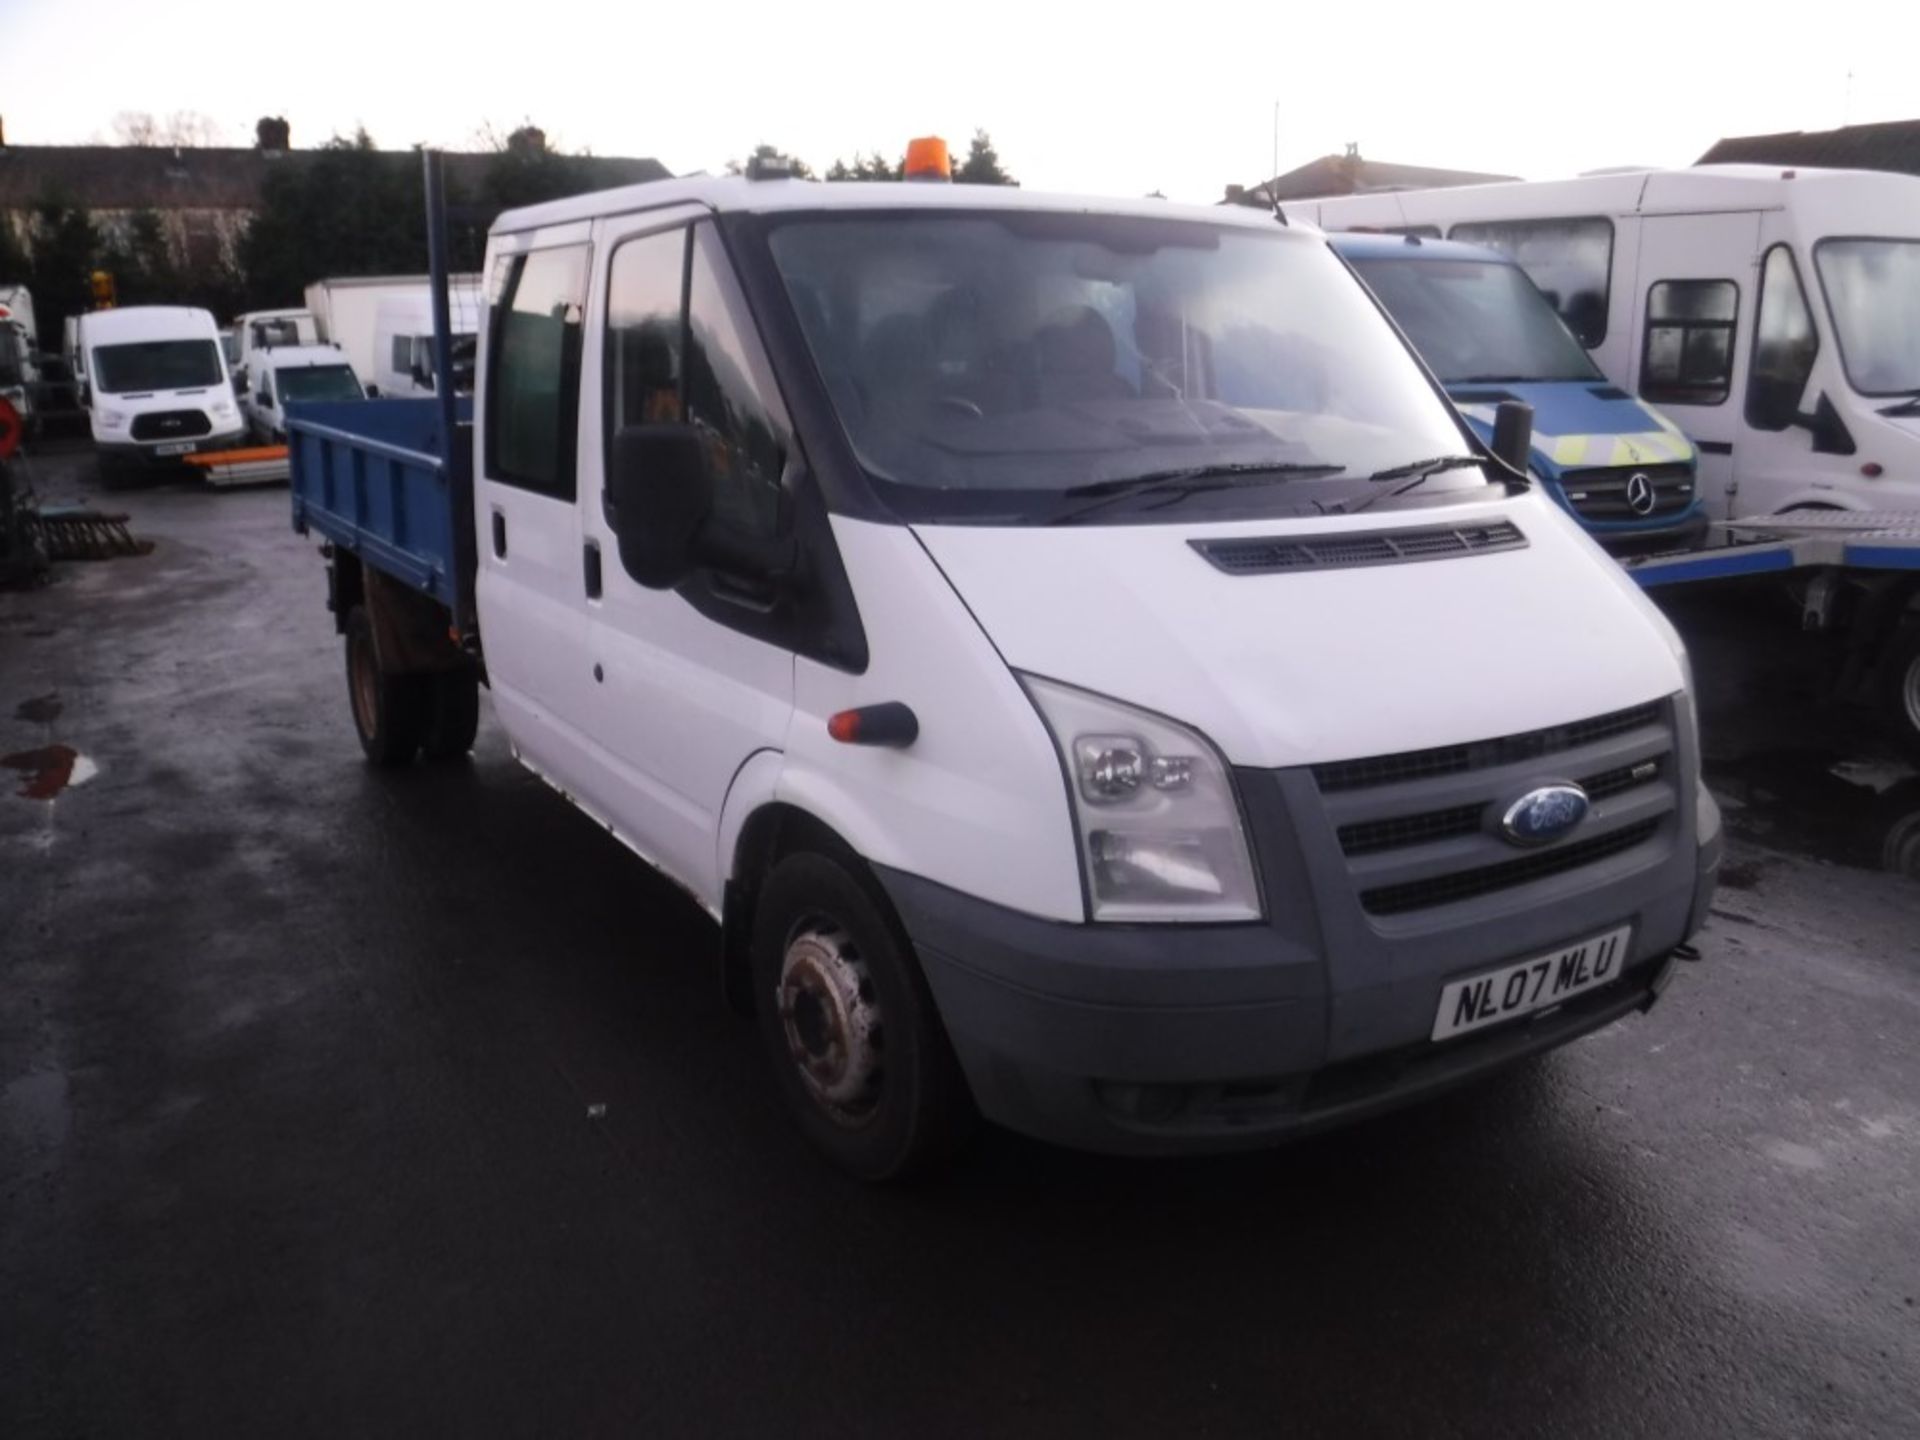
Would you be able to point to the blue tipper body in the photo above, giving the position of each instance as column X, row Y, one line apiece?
column 383, row 481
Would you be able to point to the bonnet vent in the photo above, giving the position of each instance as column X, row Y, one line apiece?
column 1348, row 549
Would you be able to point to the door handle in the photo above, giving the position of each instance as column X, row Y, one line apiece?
column 499, row 535
column 590, row 567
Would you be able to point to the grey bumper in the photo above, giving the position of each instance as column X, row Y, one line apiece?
column 1167, row 1038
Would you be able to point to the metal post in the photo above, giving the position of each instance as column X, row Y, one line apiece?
column 442, row 307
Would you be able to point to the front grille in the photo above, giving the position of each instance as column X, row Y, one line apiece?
column 1420, row 829
column 1465, row 884
column 1267, row 556
column 1602, row 494
column 1485, row 754
column 170, row 425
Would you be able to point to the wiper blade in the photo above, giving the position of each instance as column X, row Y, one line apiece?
column 1433, row 465
column 1418, row 470
column 1908, row 406
column 1155, row 479
column 1177, row 485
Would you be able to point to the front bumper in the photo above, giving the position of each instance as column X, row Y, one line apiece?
column 1162, row 1039
column 144, row 452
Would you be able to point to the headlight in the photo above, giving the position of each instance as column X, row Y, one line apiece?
column 1160, row 832
column 113, row 419
column 223, row 408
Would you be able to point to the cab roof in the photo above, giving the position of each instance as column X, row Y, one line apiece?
column 735, row 194
column 148, row 322
column 298, row 357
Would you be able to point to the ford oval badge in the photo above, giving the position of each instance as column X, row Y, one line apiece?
column 1542, row 816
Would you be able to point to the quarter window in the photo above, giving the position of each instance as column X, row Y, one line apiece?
column 533, row 400
column 1570, row 260
column 1784, row 345
column 1687, row 357
column 402, row 354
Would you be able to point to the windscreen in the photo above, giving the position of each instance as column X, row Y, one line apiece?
column 1873, row 291
column 1019, row 354
column 1477, row 320
column 155, row 365
column 279, row 332
column 318, row 382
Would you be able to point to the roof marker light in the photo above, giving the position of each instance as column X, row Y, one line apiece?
column 927, row 159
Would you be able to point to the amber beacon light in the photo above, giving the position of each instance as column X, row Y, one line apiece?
column 927, row 159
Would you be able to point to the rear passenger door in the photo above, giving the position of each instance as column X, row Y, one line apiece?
column 1694, row 301
column 687, row 684
column 526, row 489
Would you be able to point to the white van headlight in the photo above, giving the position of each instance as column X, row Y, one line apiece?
column 112, row 419
column 1159, row 827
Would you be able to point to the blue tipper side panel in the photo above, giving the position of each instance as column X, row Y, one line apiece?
column 380, row 480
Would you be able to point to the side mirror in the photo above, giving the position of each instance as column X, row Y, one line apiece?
column 373, row 392
column 419, row 374
column 658, row 502
column 1513, row 434
column 1829, row 431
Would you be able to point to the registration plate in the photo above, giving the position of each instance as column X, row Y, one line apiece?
column 1529, row 985
column 177, row 447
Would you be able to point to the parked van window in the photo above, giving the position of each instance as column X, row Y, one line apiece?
column 402, row 353
column 1784, row 345
column 533, row 402
column 1687, row 358
column 155, row 365
column 1873, row 296
column 731, row 395
column 1570, row 260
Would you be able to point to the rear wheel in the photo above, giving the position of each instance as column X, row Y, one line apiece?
column 389, row 711
column 1900, row 687
column 850, row 1026
column 453, row 714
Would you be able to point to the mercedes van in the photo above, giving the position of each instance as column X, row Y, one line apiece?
column 1617, row 465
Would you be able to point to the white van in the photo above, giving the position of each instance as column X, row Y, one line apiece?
column 1071, row 646
column 403, row 343
column 156, row 385
column 1773, row 314
column 259, row 330
column 293, row 373
column 347, row 308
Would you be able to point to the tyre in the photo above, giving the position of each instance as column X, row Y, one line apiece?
column 453, row 715
column 1900, row 687
column 389, row 711
column 850, row 1026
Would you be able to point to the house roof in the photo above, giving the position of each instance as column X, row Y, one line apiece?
column 1352, row 175
column 1893, row 145
column 160, row 177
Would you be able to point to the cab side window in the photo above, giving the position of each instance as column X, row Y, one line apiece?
column 1784, row 345
column 533, row 397
column 402, row 354
column 681, row 348
column 1687, row 356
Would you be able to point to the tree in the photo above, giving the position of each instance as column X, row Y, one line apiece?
column 871, row 166
column 525, row 170
column 66, row 248
column 982, row 165
column 765, row 152
column 135, row 127
column 142, row 262
column 348, row 210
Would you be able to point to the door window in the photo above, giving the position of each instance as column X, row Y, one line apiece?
column 1570, row 260
column 534, row 395
column 1784, row 345
column 1687, row 357
column 681, row 347
column 731, row 396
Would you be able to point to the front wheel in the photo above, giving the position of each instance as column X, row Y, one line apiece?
column 850, row 1026
column 389, row 711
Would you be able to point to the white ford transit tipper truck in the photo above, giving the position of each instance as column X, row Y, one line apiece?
column 1071, row 647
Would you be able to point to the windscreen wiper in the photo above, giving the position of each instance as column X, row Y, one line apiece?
column 1909, row 406
column 1177, row 485
column 1414, row 472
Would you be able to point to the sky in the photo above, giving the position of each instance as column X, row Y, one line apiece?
column 1122, row 99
